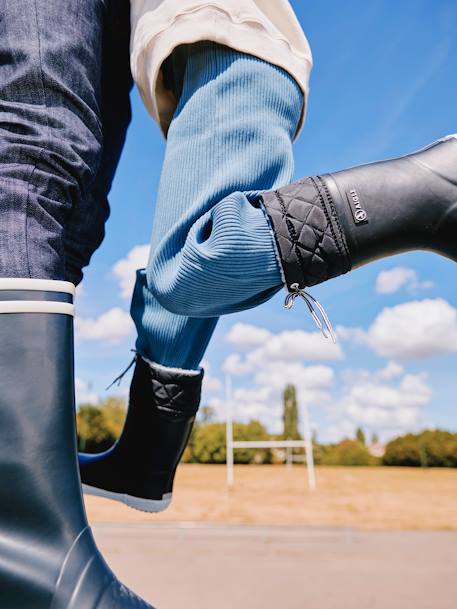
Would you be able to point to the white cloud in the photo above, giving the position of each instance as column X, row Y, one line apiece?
column 273, row 361
column 113, row 326
column 296, row 345
column 211, row 384
column 343, row 428
column 387, row 400
column 236, row 365
column 374, row 400
column 312, row 382
column 390, row 371
column 410, row 392
column 356, row 335
column 412, row 330
column 84, row 393
column 416, row 329
column 252, row 394
column 245, row 335
column 288, row 346
column 392, row 280
column 262, row 399
column 125, row 269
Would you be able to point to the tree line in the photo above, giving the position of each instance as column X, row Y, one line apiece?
column 99, row 425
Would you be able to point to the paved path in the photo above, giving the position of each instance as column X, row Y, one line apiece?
column 241, row 567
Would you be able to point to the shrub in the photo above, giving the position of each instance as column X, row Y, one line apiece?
column 430, row 448
column 208, row 443
column 403, row 451
column 346, row 452
column 99, row 426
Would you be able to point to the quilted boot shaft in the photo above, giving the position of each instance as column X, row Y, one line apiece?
column 326, row 225
column 308, row 233
column 48, row 558
column 139, row 469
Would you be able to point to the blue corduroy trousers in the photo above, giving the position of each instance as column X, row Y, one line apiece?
column 212, row 250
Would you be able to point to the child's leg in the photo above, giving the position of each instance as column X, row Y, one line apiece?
column 232, row 131
column 211, row 249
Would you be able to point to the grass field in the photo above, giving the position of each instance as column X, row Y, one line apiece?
column 366, row 498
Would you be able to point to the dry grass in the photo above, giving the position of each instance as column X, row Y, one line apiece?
column 367, row 498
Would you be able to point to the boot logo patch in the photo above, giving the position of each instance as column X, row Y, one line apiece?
column 355, row 203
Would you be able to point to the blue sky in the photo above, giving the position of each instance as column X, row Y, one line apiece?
column 383, row 84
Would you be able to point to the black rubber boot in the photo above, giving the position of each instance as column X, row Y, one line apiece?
column 139, row 469
column 48, row 558
column 327, row 225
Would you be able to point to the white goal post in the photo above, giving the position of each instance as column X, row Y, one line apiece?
column 232, row 444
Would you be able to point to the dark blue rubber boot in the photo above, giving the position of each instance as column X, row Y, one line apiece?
column 48, row 558
column 139, row 469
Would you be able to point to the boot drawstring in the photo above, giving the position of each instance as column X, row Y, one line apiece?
column 119, row 378
column 324, row 324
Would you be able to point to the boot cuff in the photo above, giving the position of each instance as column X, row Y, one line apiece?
column 308, row 233
column 176, row 391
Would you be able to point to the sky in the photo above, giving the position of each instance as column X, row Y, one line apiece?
column 383, row 84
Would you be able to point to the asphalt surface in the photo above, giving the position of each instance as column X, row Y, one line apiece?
column 226, row 567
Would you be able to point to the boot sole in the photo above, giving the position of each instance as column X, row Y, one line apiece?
column 137, row 503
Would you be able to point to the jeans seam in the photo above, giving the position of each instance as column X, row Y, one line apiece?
column 40, row 152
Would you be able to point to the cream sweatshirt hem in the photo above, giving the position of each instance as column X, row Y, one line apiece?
column 267, row 29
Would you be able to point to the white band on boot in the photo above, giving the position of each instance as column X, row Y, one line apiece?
column 36, row 306
column 41, row 285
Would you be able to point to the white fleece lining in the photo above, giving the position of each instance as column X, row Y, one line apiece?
column 41, row 285
column 170, row 369
column 36, row 306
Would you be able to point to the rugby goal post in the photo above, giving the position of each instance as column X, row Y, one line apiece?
column 232, row 445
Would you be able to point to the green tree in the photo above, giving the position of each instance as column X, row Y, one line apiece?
column 100, row 425
column 440, row 448
column 254, row 430
column 208, row 443
column 290, row 414
column 430, row 448
column 360, row 436
column 346, row 452
column 374, row 438
column 403, row 451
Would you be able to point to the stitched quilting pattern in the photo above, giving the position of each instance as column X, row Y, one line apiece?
column 175, row 393
column 308, row 235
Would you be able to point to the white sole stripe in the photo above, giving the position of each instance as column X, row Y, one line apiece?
column 137, row 503
column 36, row 306
column 41, row 285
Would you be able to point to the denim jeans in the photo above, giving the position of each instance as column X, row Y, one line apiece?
column 64, row 111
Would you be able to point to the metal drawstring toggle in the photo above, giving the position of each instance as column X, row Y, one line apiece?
column 324, row 324
column 119, row 378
